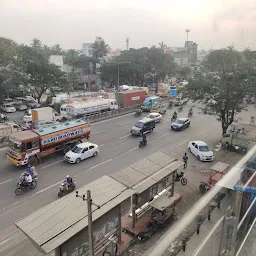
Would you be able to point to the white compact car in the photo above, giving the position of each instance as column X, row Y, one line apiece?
column 155, row 116
column 201, row 150
column 81, row 152
column 9, row 108
column 27, row 116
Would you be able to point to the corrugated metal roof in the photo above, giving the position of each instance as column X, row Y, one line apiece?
column 55, row 223
column 60, row 127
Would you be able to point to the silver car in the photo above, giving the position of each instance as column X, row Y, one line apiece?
column 9, row 108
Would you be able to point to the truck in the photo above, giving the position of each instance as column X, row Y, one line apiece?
column 28, row 147
column 89, row 107
column 239, row 137
column 41, row 114
column 7, row 129
column 150, row 103
column 130, row 98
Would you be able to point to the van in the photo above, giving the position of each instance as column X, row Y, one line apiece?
column 143, row 126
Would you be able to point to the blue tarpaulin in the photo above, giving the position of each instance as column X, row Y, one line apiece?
column 173, row 92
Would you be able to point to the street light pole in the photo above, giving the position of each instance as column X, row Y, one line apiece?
column 118, row 70
column 90, row 223
column 118, row 75
column 187, row 31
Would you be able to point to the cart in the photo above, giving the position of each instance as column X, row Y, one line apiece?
column 217, row 171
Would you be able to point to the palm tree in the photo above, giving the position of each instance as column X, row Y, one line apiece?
column 56, row 49
column 36, row 44
column 162, row 45
column 99, row 49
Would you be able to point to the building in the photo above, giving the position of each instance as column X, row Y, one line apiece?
column 86, row 47
column 181, row 58
column 191, row 49
column 58, row 61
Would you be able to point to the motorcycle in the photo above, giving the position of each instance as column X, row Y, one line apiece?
column 180, row 108
column 4, row 118
column 180, row 177
column 190, row 113
column 142, row 142
column 138, row 113
column 174, row 117
column 22, row 187
column 170, row 105
column 64, row 191
column 204, row 187
column 148, row 231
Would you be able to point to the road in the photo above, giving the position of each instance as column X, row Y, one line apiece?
column 118, row 149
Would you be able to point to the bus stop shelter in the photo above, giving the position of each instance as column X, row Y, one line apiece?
column 62, row 225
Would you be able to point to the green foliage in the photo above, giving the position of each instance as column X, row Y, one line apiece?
column 232, row 77
column 99, row 49
column 136, row 65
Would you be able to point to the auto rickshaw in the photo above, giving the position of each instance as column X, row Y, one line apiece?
column 217, row 171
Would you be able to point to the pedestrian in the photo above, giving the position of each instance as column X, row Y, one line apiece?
column 185, row 160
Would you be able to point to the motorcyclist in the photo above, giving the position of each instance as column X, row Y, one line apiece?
column 143, row 138
column 68, row 181
column 190, row 112
column 174, row 116
column 28, row 178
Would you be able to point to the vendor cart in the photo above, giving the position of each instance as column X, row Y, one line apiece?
column 217, row 171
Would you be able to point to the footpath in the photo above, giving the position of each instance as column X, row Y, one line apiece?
column 208, row 241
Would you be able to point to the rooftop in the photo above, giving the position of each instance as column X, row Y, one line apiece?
column 55, row 223
column 24, row 135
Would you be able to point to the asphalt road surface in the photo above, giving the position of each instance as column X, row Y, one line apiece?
column 118, row 149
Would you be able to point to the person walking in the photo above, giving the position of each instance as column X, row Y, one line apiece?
column 185, row 160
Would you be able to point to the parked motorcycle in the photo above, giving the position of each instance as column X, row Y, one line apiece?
column 138, row 113
column 204, row 187
column 22, row 187
column 4, row 118
column 180, row 177
column 173, row 118
column 142, row 142
column 63, row 188
column 180, row 108
column 190, row 113
column 148, row 231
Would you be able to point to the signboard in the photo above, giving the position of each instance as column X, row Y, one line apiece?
column 136, row 98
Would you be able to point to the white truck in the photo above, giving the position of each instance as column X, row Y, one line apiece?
column 8, row 128
column 42, row 114
column 90, row 107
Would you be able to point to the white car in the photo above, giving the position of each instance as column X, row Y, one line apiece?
column 8, row 101
column 27, row 116
column 201, row 150
column 9, row 108
column 81, row 152
column 155, row 116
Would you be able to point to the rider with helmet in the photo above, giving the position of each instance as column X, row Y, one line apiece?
column 68, row 181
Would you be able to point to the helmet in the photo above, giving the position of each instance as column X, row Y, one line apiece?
column 67, row 176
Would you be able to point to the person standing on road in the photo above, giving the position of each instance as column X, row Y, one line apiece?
column 185, row 160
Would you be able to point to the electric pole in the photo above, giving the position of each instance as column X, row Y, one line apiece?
column 90, row 222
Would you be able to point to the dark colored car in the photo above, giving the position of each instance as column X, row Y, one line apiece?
column 180, row 124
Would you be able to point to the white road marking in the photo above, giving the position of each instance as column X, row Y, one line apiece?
column 101, row 145
column 162, row 136
column 1, row 149
column 5, row 181
column 99, row 131
column 125, row 136
column 97, row 165
column 132, row 149
column 181, row 143
column 52, row 164
column 125, row 123
column 200, row 132
column 45, row 189
column 110, row 119
column 4, row 241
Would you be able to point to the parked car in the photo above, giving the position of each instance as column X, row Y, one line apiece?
column 155, row 116
column 9, row 108
column 20, row 106
column 8, row 101
column 31, row 103
column 81, row 152
column 18, row 100
column 180, row 124
column 201, row 150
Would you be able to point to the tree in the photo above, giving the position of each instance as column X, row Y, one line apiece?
column 42, row 74
column 223, row 89
column 99, row 49
column 162, row 45
column 56, row 50
column 36, row 44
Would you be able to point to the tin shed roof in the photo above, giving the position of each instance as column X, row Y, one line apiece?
column 52, row 225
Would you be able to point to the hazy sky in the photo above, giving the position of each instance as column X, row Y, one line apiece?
column 216, row 23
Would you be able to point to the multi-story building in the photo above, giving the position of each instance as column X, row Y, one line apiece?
column 86, row 49
column 58, row 61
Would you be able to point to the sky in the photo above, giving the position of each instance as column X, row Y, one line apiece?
column 212, row 23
